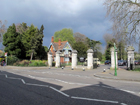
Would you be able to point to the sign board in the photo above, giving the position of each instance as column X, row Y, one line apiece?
column 6, row 54
column 81, row 59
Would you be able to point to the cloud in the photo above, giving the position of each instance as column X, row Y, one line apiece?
column 84, row 16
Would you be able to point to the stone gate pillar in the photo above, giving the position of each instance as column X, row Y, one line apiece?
column 74, row 59
column 50, row 59
column 113, row 58
column 89, row 59
column 57, row 61
column 130, row 57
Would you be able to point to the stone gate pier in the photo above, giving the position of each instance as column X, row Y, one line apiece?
column 113, row 58
column 130, row 57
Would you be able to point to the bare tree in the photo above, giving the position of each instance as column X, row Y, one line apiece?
column 21, row 28
column 2, row 31
column 80, row 37
column 107, row 37
column 126, row 17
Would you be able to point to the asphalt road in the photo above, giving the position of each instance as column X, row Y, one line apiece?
column 64, row 87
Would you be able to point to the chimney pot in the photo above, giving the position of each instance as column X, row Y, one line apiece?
column 59, row 42
column 52, row 40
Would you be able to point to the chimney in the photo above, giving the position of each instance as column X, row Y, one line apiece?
column 59, row 42
column 52, row 40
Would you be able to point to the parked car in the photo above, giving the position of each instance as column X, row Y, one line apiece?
column 124, row 62
column 96, row 60
column 107, row 62
column 137, row 62
column 120, row 63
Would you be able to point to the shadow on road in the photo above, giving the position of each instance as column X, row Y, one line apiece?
column 16, row 89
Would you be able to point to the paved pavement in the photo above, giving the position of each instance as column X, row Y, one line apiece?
column 122, row 74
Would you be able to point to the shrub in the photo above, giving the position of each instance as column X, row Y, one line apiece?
column 69, row 64
column 11, row 60
column 136, row 69
column 22, row 63
column 37, row 63
column 62, row 65
column 30, row 63
column 53, row 64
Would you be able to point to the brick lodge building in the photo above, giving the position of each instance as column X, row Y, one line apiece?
column 64, row 47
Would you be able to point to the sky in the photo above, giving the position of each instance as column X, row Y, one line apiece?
column 87, row 17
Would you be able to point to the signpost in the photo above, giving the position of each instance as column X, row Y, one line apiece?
column 6, row 57
column 115, row 59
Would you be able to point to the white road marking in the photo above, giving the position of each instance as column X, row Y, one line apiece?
column 23, row 81
column 82, row 98
column 36, row 85
column 78, row 83
column 59, row 80
column 127, row 91
column 108, row 101
column 59, row 91
column 82, row 84
column 123, row 104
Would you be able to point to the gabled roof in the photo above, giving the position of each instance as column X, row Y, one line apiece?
column 61, row 47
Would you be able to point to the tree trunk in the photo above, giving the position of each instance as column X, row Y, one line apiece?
column 31, row 55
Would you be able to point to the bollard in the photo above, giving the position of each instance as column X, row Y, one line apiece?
column 71, row 68
column 49, row 68
column 83, row 69
column 62, row 67
column 104, row 70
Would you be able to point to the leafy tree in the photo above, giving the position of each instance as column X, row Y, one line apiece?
column 64, row 34
column 121, row 51
column 81, row 49
column 110, row 44
column 92, row 43
column 97, row 54
column 11, row 41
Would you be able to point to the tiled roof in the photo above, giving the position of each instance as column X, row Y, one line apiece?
column 57, row 47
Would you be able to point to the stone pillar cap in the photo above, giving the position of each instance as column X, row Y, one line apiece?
column 130, row 48
column 89, row 51
column 74, row 51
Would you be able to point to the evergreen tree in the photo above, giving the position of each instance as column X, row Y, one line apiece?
column 40, row 51
column 30, row 41
column 11, row 41
column 22, row 29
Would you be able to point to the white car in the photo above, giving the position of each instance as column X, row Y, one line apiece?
column 95, row 60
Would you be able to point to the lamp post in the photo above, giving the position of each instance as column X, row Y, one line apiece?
column 115, row 59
